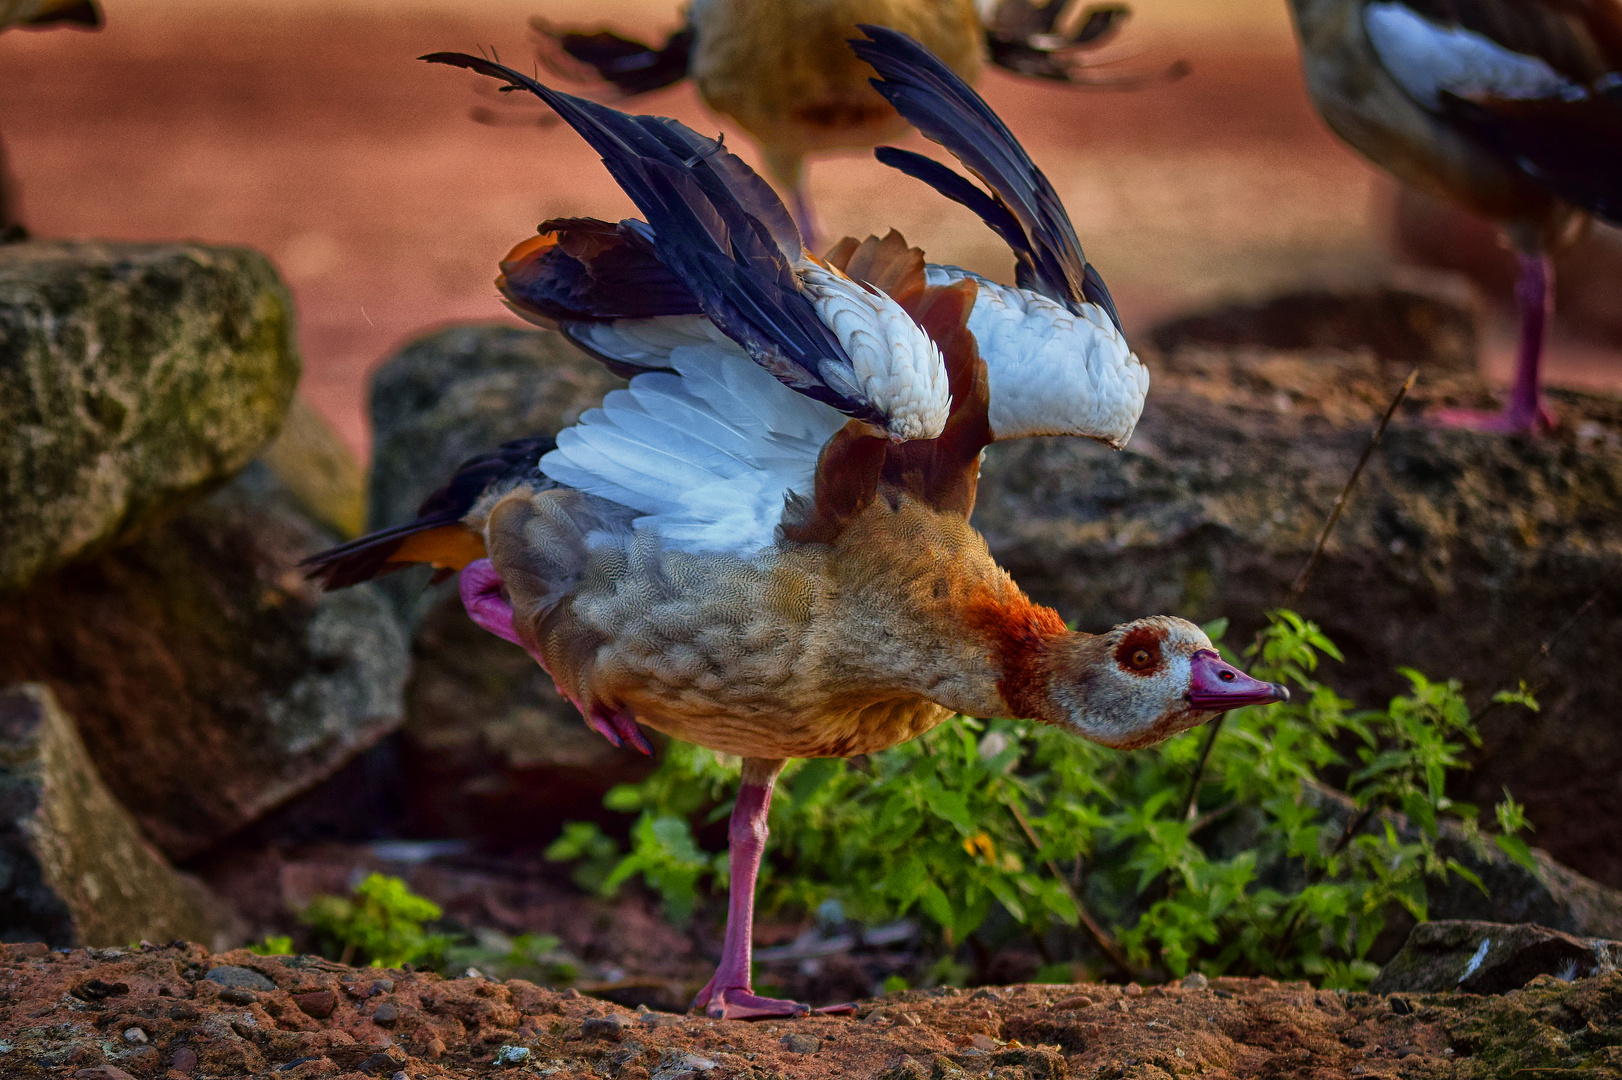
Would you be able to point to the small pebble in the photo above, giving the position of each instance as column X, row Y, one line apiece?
column 184, row 1061
column 434, row 1050
column 318, row 1004
column 611, row 1026
column 237, row 995
column 509, row 1056
column 386, row 1013
column 383, row 1062
column 1195, row 981
column 1133, row 990
column 983, row 1042
column 240, row 977
column 382, row 986
column 1080, row 1001
column 134, row 1035
column 798, row 1042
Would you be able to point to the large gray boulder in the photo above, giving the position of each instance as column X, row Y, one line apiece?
column 132, row 378
column 211, row 681
column 1461, row 554
column 490, row 747
column 74, row 868
column 1491, row 958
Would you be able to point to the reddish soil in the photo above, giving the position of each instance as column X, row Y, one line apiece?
column 308, row 131
column 171, row 1011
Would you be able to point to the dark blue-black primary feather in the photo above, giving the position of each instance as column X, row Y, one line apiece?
column 717, row 225
column 1022, row 206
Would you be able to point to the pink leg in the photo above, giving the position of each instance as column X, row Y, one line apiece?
column 1527, row 411
column 480, row 586
column 728, row 994
column 802, row 217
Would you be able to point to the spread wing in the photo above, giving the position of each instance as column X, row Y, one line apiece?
column 723, row 233
column 1020, row 204
column 707, row 453
column 1540, row 81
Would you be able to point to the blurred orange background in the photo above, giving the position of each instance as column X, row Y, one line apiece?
column 308, row 130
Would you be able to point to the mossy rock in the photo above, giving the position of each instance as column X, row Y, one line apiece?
column 133, row 377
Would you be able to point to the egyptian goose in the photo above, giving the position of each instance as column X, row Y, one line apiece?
column 1510, row 108
column 36, row 15
column 783, row 73
column 766, row 551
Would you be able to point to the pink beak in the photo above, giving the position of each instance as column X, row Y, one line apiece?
column 1214, row 686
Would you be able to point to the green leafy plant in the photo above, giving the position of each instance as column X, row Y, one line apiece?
column 273, row 946
column 536, row 957
column 981, row 826
column 381, row 922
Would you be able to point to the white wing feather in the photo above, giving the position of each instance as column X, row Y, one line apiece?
column 1426, row 59
column 1051, row 372
column 706, row 456
column 897, row 366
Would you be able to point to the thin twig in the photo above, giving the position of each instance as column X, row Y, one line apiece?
column 1543, row 652
column 1101, row 937
column 1300, row 584
column 1354, row 825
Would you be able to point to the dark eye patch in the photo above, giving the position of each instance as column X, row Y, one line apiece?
column 1139, row 652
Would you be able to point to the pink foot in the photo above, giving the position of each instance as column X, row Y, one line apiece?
column 1508, row 422
column 741, row 1003
column 618, row 728
column 480, row 587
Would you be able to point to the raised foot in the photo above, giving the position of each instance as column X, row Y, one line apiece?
column 740, row 1003
column 1508, row 422
column 619, row 728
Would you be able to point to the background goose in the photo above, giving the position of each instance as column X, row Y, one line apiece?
column 782, row 71
column 738, row 555
column 1510, row 108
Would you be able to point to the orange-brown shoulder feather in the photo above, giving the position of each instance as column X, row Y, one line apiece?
column 940, row 473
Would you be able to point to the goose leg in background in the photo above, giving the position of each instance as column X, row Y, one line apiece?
column 1526, row 411
column 788, row 170
column 11, row 229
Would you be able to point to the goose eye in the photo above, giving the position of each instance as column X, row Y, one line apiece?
column 1141, row 658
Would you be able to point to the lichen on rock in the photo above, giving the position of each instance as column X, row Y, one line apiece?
column 132, row 378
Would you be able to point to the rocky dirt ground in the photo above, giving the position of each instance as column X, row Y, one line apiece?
column 176, row 1011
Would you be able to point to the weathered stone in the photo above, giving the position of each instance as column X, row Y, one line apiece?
column 490, row 747
column 610, row 1027
column 209, row 678
column 132, row 377
column 1553, row 895
column 1402, row 325
column 74, row 868
column 1460, row 553
column 319, row 471
column 1490, row 958
column 240, row 978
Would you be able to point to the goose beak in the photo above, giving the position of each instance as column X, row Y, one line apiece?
column 1214, row 686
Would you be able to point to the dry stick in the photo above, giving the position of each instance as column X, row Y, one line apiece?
column 1543, row 652
column 1300, row 584
column 1101, row 937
